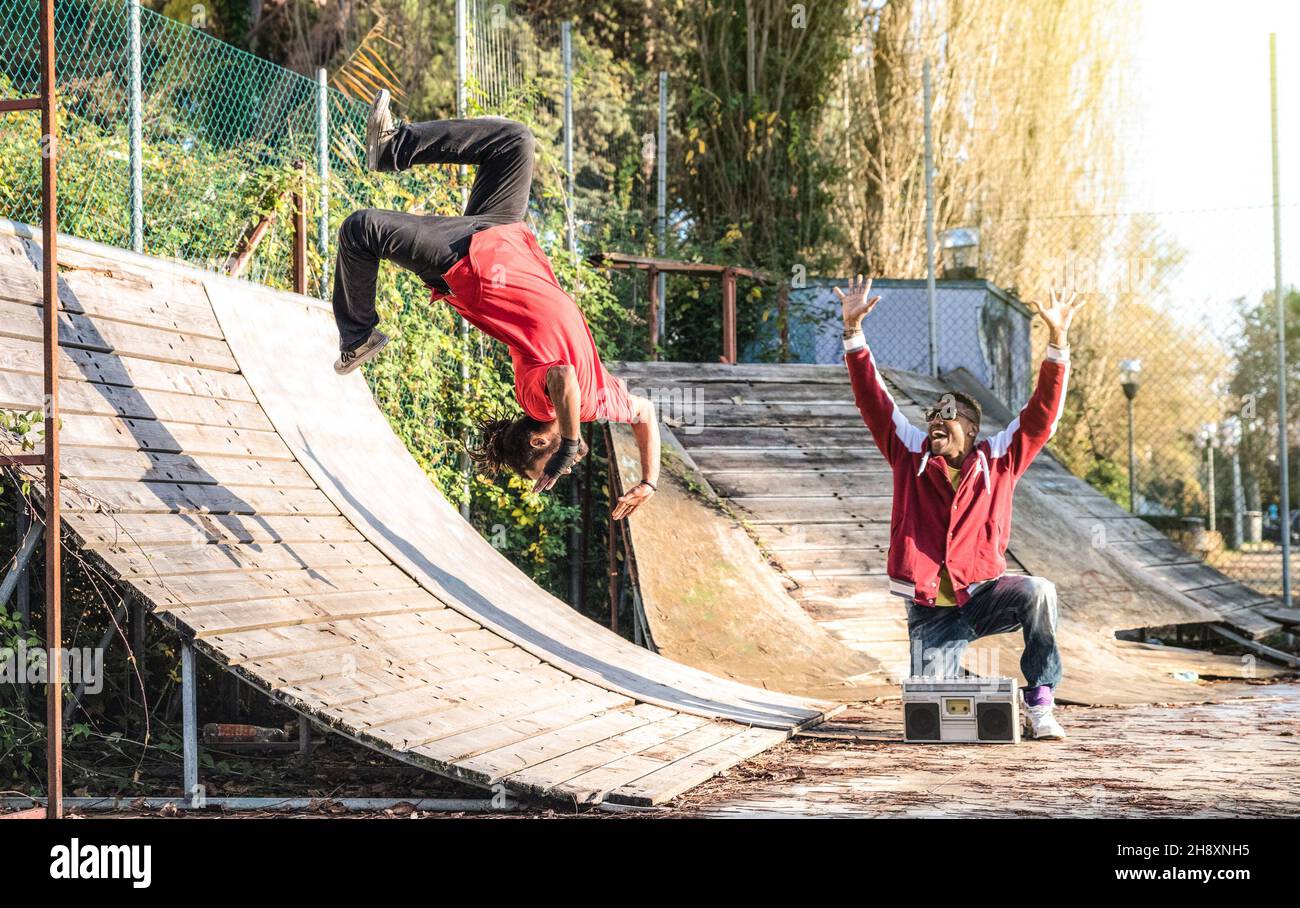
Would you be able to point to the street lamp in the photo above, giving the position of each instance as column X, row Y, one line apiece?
column 1130, row 371
column 1232, row 441
column 960, row 249
column 1210, row 437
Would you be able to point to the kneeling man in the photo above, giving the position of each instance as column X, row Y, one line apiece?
column 952, row 511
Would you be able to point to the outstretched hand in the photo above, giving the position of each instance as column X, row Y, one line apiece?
column 636, row 496
column 857, row 303
column 1058, row 312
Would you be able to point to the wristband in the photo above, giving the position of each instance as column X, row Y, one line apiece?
column 646, row 482
column 565, row 457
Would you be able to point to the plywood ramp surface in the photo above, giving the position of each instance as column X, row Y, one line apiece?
column 263, row 507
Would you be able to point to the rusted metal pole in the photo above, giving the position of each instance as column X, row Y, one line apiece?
column 783, row 321
column 653, row 319
column 238, row 263
column 729, row 316
column 613, row 569
column 300, row 230
column 53, row 503
column 585, row 540
column 22, row 601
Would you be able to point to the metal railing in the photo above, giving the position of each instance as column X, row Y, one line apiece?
column 46, row 101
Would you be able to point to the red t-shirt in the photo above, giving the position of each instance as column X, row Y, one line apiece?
column 505, row 287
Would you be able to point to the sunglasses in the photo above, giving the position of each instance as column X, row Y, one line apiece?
column 946, row 410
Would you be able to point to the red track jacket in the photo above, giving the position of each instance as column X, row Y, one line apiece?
column 966, row 530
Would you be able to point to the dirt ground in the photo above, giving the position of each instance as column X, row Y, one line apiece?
column 1237, row 758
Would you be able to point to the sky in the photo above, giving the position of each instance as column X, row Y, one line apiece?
column 1200, row 140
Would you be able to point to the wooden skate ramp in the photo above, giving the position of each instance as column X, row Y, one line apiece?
column 261, row 505
column 784, row 449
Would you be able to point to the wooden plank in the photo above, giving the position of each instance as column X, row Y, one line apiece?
column 850, row 559
column 412, row 709
column 744, row 458
column 21, row 391
column 164, row 498
column 236, row 586
column 372, row 675
column 514, row 756
column 815, row 510
column 24, row 355
column 592, row 786
column 221, row 557
column 549, row 777
column 296, row 654
column 176, row 438
column 808, row 438
column 1287, row 617
column 489, row 753
column 684, row 394
column 695, row 769
column 794, row 537
column 414, row 733
column 799, row 484
column 91, row 463
column 819, row 416
column 768, row 373
column 97, row 529
column 105, row 289
column 340, row 659
column 104, row 335
column 236, row 617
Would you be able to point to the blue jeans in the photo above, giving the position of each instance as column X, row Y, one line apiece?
column 940, row 634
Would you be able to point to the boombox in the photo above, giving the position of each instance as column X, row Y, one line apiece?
column 970, row 710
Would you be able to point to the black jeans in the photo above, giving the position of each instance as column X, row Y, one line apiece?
column 429, row 245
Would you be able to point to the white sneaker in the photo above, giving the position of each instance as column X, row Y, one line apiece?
column 1043, row 725
column 379, row 128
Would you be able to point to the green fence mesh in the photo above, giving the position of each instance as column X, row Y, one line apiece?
column 221, row 133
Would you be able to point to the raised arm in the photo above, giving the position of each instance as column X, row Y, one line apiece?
column 893, row 434
column 645, row 426
column 1030, row 431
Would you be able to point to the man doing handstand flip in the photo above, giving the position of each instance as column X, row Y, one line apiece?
column 488, row 266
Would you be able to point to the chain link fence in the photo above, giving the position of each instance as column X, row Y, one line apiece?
column 224, row 138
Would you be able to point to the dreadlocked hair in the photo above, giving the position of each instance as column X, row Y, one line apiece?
column 506, row 443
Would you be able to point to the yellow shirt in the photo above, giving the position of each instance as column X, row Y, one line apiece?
column 945, row 595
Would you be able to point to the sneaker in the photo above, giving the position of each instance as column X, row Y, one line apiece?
column 369, row 349
column 1042, row 724
column 379, row 128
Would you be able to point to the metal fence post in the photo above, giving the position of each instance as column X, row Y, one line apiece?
column 566, row 56
column 1282, row 427
column 661, row 200
column 189, row 725
column 929, row 224
column 135, row 101
column 462, row 102
column 1238, row 502
column 23, row 596
column 566, row 53
column 323, row 177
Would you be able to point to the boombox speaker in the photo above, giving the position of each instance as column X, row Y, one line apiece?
column 961, row 710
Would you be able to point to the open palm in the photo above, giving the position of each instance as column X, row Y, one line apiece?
column 857, row 303
column 1059, row 310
